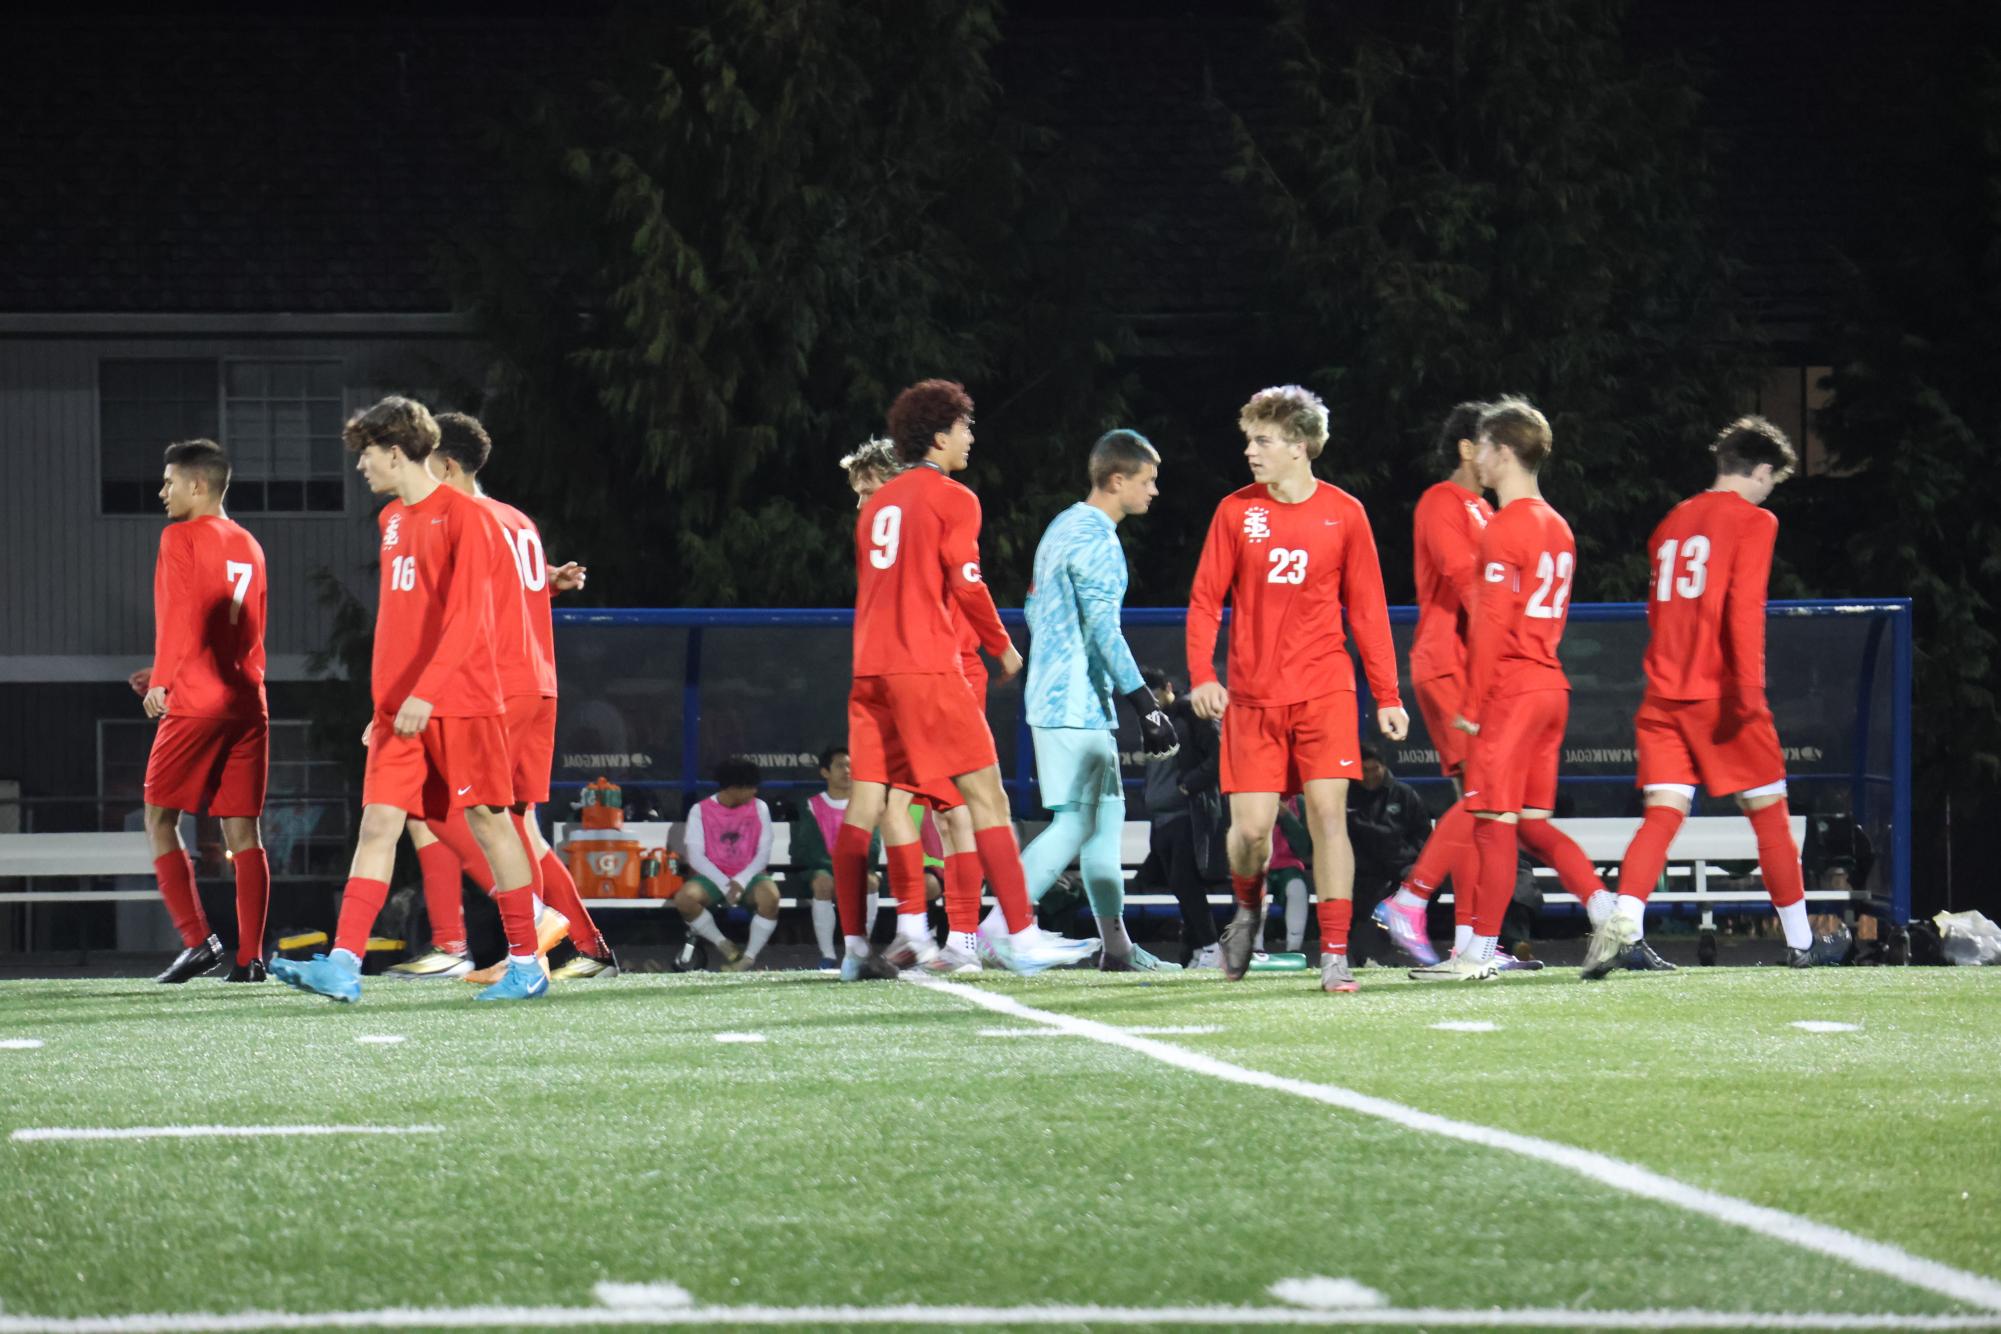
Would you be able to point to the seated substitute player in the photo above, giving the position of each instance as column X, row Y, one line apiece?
column 1517, row 700
column 525, row 639
column 905, row 844
column 1081, row 663
column 912, row 720
column 436, row 742
column 211, row 751
column 729, row 838
column 1705, row 717
column 1293, row 554
column 813, row 835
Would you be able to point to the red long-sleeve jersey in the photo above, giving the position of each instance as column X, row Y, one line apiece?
column 1446, row 534
column 917, row 555
column 524, row 628
column 1289, row 572
column 434, row 635
column 209, row 605
column 1528, row 560
column 1712, row 558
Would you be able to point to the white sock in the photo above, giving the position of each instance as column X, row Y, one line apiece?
column 1799, row 931
column 521, row 961
column 1599, row 906
column 1028, row 938
column 967, row 943
column 826, row 922
column 347, row 957
column 1295, row 916
column 1403, row 898
column 1462, row 936
column 1118, row 944
column 761, row 928
column 869, row 910
column 995, row 923
column 914, row 927
column 705, row 926
column 1634, row 910
column 1485, row 947
column 857, row 946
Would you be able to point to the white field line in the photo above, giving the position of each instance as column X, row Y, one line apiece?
column 1156, row 1030
column 1466, row 1025
column 1876, row 1256
column 208, row 1132
column 379, row 1039
column 1229, row 1317
column 738, row 1037
column 1826, row 1026
column 19, row 1044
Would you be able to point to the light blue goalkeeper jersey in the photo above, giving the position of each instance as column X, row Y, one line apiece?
column 1077, row 655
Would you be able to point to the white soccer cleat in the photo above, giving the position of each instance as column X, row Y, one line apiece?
column 1458, row 968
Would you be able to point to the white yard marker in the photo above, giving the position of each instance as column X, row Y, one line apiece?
column 1466, row 1026
column 1327, row 1294
column 380, row 1039
column 1825, row 1026
column 739, row 1037
column 646, row 1296
column 1876, row 1256
column 210, row 1132
column 19, row 1044
column 670, row 1312
column 1139, row 1028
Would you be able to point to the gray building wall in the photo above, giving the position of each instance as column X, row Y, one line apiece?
column 78, row 603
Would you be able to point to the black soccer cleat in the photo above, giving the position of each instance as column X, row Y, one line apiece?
column 193, row 962
column 1799, row 958
column 1642, row 959
column 246, row 972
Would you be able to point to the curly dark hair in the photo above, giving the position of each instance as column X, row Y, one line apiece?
column 924, row 410
column 1462, row 423
column 394, row 423
column 464, row 441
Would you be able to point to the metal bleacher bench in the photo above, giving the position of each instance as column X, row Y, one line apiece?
column 1701, row 843
column 74, row 856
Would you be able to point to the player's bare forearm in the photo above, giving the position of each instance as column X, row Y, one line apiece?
column 1010, row 661
column 568, row 577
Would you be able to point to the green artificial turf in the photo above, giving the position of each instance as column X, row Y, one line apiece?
column 875, row 1148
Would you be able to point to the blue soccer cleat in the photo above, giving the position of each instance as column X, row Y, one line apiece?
column 521, row 981
column 323, row 975
column 1408, row 931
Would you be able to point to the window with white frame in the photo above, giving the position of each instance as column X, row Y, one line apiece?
column 279, row 419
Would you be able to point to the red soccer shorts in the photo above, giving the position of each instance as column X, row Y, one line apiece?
column 219, row 766
column 531, row 745
column 1282, row 748
column 1438, row 700
column 916, row 730
column 1683, row 741
column 1511, row 765
column 975, row 669
column 452, row 763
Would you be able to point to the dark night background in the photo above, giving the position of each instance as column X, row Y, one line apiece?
column 698, row 246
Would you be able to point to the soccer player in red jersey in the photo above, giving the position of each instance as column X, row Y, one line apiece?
column 206, row 686
column 525, row 640
column 436, row 743
column 1292, row 554
column 1705, row 717
column 912, row 721
column 1517, row 699
column 871, row 465
column 1451, row 517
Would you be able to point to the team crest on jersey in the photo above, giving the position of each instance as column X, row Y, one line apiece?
column 394, row 532
column 1257, row 523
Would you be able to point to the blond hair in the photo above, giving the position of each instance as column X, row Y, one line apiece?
column 1520, row 426
column 875, row 457
column 1296, row 411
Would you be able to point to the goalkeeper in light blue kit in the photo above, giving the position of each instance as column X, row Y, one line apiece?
column 1077, row 662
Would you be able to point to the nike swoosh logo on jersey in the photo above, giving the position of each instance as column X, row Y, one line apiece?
column 468, row 787
column 1346, row 763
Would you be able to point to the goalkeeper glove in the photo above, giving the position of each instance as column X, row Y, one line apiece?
column 1156, row 730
